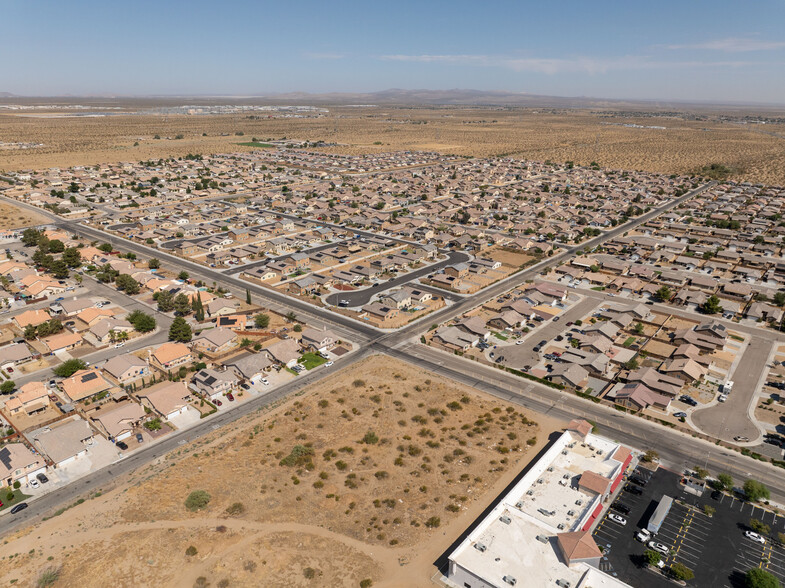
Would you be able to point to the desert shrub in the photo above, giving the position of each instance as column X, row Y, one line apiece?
column 235, row 508
column 358, row 383
column 196, row 500
column 301, row 456
column 47, row 577
column 191, row 550
column 433, row 522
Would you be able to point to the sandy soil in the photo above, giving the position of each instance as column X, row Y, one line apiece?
column 581, row 136
column 351, row 514
column 13, row 217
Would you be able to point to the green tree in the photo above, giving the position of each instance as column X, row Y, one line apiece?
column 128, row 284
column 7, row 387
column 755, row 491
column 180, row 330
column 31, row 237
column 631, row 364
column 681, row 572
column 31, row 332
column 298, row 328
column 664, row 294
column 59, row 269
column 183, row 275
column 760, row 527
column 105, row 247
column 639, row 328
column 712, row 305
column 724, row 482
column 182, row 305
column 760, row 578
column 165, row 301
column 154, row 263
column 56, row 246
column 72, row 257
column 651, row 557
column 198, row 307
column 261, row 321
column 143, row 323
column 69, row 368
column 779, row 298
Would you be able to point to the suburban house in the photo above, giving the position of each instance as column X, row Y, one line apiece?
column 18, row 463
column 455, row 339
column 215, row 341
column 249, row 366
column 119, row 423
column 286, row 352
column 64, row 442
column 170, row 356
column 319, row 341
column 168, row 399
column 84, row 384
column 31, row 398
column 126, row 368
column 14, row 355
column 637, row 396
column 64, row 341
column 212, row 383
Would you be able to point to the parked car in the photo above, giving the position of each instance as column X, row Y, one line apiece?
column 638, row 480
column 219, row 403
column 120, row 344
column 328, row 364
column 741, row 438
column 245, row 386
column 658, row 547
column 536, row 349
column 265, row 382
column 643, row 535
column 633, row 489
column 42, row 478
column 543, row 343
column 722, row 398
column 755, row 537
column 556, row 318
column 34, row 483
column 519, row 342
column 230, row 397
column 617, row 518
column 680, row 415
column 122, row 445
column 19, row 507
column 621, row 507
column 139, row 438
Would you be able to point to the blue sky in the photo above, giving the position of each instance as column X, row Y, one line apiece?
column 685, row 49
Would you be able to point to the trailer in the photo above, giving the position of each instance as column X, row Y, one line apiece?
column 660, row 513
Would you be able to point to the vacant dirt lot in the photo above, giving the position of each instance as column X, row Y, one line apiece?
column 13, row 217
column 755, row 152
column 370, row 474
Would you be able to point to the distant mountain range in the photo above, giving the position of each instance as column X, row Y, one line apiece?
column 393, row 97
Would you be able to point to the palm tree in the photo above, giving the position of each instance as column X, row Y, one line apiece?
column 112, row 336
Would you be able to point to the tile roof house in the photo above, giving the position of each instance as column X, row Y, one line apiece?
column 638, row 396
column 249, row 366
column 126, row 368
column 170, row 356
column 212, row 383
column 119, row 423
column 318, row 340
column 285, row 352
column 64, row 442
column 168, row 399
column 31, row 317
column 14, row 354
column 18, row 463
column 31, row 398
column 215, row 341
column 62, row 341
column 84, row 384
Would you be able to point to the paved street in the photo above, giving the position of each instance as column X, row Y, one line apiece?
column 358, row 298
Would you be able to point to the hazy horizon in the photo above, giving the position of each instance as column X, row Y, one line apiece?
column 696, row 52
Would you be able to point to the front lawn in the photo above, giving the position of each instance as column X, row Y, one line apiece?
column 311, row 360
column 18, row 497
column 499, row 336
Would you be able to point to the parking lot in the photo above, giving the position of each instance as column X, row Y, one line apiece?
column 714, row 548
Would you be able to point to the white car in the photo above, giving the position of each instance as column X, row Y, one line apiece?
column 265, row 382
column 617, row 518
column 34, row 484
column 658, row 547
column 120, row 344
column 722, row 398
column 755, row 537
column 519, row 342
column 643, row 535
column 328, row 364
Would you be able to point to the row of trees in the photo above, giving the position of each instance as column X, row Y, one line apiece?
column 180, row 304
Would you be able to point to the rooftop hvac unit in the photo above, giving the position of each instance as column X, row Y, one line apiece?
column 571, row 445
column 599, row 452
column 542, row 538
column 566, row 476
column 570, row 513
column 510, row 580
column 529, row 492
column 578, row 502
column 560, row 526
column 540, row 481
column 564, row 452
column 519, row 504
column 505, row 519
column 480, row 547
column 550, row 469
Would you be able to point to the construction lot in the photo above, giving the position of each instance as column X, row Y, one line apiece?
column 714, row 548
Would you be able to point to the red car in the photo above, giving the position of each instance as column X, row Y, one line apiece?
column 219, row 403
column 230, row 397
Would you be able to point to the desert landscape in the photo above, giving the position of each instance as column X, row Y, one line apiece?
column 364, row 478
column 658, row 140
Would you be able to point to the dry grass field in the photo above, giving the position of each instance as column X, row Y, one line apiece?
column 369, row 474
column 755, row 151
column 13, row 217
